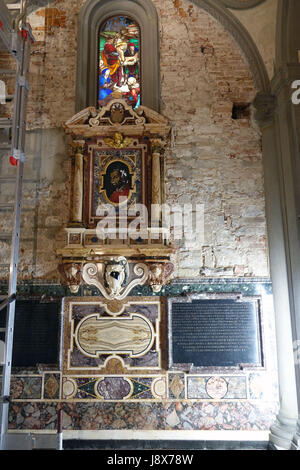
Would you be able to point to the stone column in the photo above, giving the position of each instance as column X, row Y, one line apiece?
column 77, row 186
column 287, row 131
column 283, row 429
column 156, row 151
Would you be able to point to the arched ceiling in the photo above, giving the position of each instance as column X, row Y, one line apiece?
column 241, row 4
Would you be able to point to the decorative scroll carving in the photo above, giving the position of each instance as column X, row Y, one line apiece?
column 118, row 114
column 112, row 283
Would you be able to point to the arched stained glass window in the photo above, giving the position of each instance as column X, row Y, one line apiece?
column 119, row 61
column 111, row 22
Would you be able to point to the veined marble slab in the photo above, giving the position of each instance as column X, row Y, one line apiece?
column 133, row 335
column 111, row 337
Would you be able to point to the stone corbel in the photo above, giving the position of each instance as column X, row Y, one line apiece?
column 265, row 106
column 159, row 275
column 77, row 186
column 111, row 276
column 71, row 275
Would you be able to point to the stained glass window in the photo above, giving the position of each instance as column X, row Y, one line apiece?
column 119, row 61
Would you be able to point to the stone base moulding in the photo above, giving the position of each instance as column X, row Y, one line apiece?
column 187, row 435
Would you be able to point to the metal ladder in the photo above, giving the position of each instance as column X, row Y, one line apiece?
column 17, row 37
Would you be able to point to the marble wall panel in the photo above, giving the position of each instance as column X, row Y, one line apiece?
column 216, row 387
column 93, row 329
column 135, row 415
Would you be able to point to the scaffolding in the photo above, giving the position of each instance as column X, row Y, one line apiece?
column 16, row 36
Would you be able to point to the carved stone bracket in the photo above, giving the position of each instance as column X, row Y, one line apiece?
column 71, row 275
column 159, row 275
column 111, row 276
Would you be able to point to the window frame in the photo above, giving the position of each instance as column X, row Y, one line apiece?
column 92, row 16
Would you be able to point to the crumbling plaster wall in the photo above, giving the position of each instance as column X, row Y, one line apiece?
column 215, row 160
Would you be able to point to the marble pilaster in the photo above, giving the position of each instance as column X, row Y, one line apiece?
column 77, row 197
column 283, row 429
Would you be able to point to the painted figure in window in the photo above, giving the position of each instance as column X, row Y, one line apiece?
column 105, row 84
column 119, row 52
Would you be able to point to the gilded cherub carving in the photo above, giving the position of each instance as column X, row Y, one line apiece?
column 118, row 141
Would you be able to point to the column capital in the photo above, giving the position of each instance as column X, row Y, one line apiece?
column 265, row 106
column 157, row 145
column 78, row 146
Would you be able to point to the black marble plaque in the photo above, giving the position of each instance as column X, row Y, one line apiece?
column 215, row 333
column 36, row 333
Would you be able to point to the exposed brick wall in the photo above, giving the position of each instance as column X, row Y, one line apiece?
column 215, row 160
column 53, row 64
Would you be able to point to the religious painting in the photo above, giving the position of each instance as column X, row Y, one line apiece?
column 116, row 177
column 119, row 61
column 117, row 182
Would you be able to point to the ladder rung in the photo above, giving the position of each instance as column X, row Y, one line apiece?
column 13, row 6
column 8, row 180
column 7, row 72
column 5, row 122
column 13, row 179
column 8, row 300
column 8, row 236
column 5, row 236
column 10, row 206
